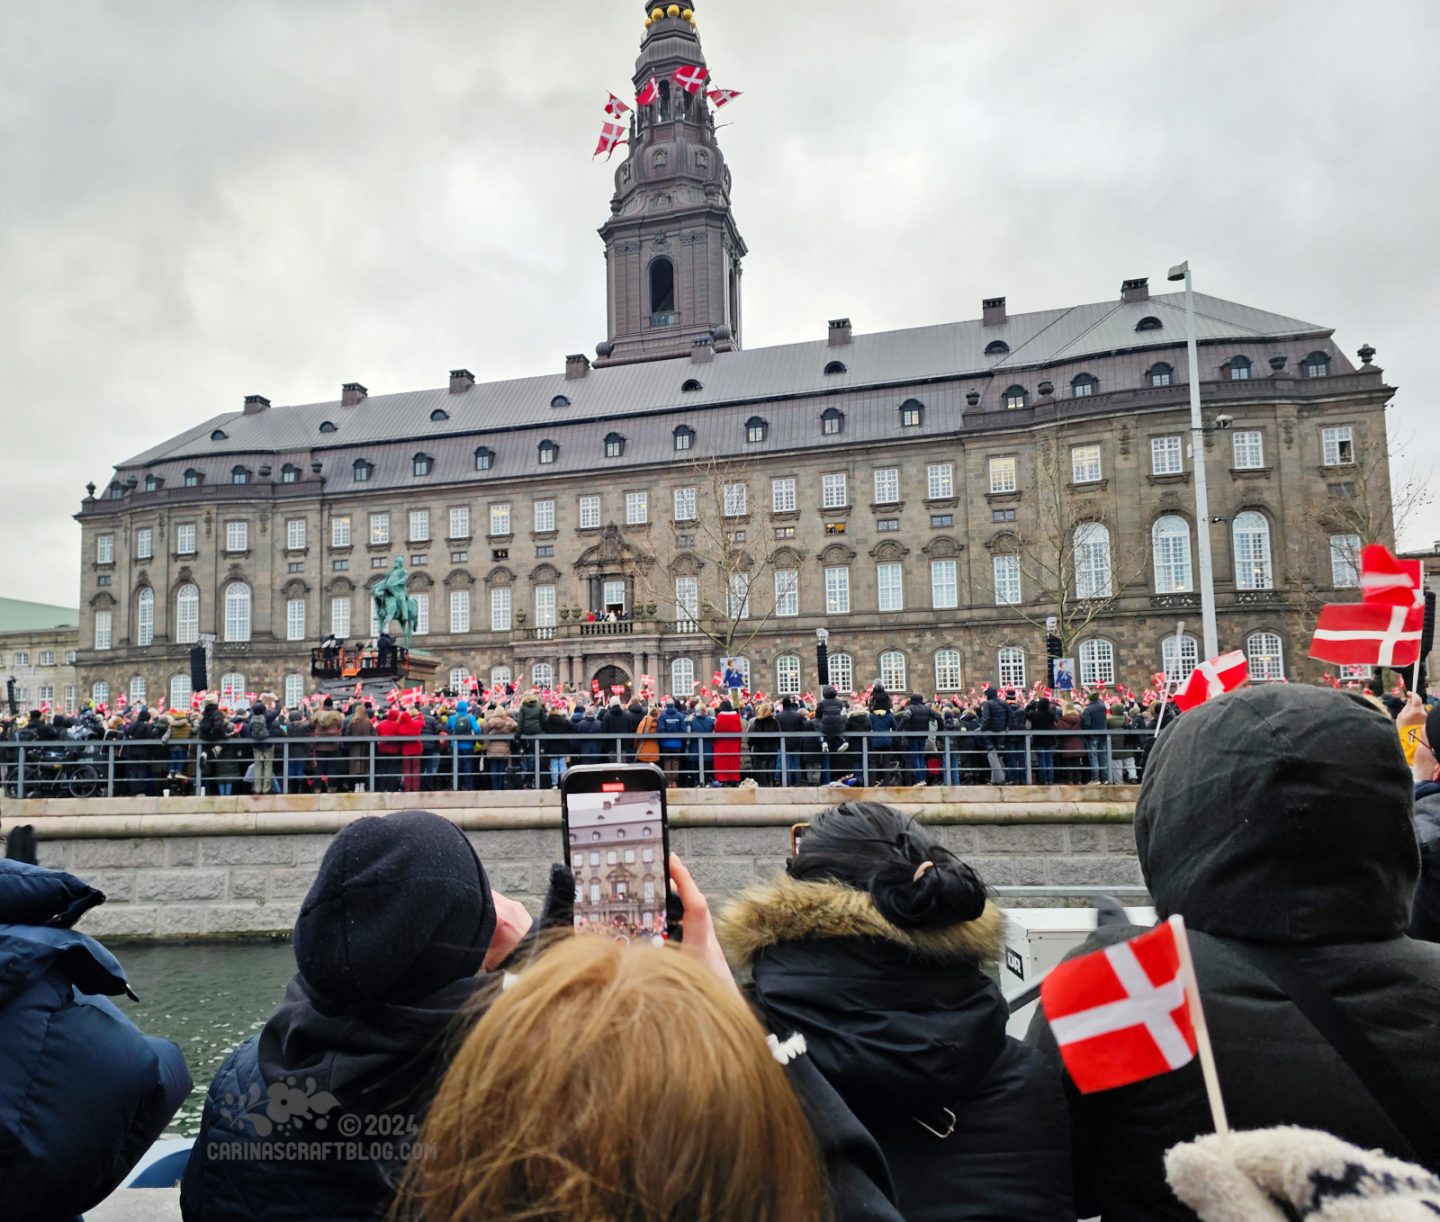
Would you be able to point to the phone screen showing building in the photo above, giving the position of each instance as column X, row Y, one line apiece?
column 617, row 850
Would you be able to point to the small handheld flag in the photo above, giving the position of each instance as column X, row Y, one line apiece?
column 1369, row 634
column 1213, row 677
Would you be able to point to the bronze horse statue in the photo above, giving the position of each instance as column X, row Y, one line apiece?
column 393, row 603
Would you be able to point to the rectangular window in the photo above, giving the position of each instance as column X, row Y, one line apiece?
column 500, row 519
column 295, row 619
column 1345, row 561
column 940, row 481
column 47, row 657
column 887, row 524
column 782, row 495
column 185, row 539
column 460, row 521
column 833, row 494
column 684, row 504
column 687, row 603
column 340, row 617
column 1165, row 457
column 1084, row 464
column 340, row 531
column 739, row 596
column 612, row 594
column 734, row 500
column 294, row 533
column 1002, row 474
column 637, row 508
column 589, row 512
column 545, row 606
column 887, row 485
column 1002, row 515
column 787, row 675
column 144, row 543
column 542, row 550
column 339, row 566
column 787, row 592
column 379, row 529
column 102, row 629
column 1007, row 580
column 889, row 587
column 785, row 532
column 544, row 516
column 459, row 610
column 837, row 590
column 1011, row 667
column 69, row 697
column 237, row 536
column 1338, row 446
column 46, row 693
column 500, row 609
column 944, row 589
column 1249, row 447
column 104, row 549
column 422, row 612
column 941, row 520
column 294, row 566
column 419, row 526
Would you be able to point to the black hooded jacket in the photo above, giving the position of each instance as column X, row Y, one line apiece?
column 909, row 1030
column 389, row 943
column 1279, row 817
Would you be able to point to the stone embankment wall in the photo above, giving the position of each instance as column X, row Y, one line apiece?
column 218, row 868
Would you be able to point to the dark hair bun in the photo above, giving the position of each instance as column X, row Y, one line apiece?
column 945, row 894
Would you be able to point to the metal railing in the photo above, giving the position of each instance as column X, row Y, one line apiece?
column 118, row 767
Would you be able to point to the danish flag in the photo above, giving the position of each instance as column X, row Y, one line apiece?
column 1213, row 677
column 722, row 97
column 648, row 95
column 1385, row 578
column 691, row 78
column 610, row 137
column 1369, row 634
column 615, row 107
column 1120, row 1015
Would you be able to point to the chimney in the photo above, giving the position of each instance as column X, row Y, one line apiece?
column 1135, row 290
column 351, row 394
column 702, row 350
column 839, row 332
column 254, row 404
column 994, row 311
column 461, row 380
column 577, row 365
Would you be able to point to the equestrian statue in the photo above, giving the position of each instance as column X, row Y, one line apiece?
column 393, row 602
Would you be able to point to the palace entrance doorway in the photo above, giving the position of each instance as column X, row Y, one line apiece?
column 611, row 677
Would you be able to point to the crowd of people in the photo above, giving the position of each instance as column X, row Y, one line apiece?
column 830, row 1045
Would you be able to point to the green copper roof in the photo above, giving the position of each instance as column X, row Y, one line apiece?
column 17, row 615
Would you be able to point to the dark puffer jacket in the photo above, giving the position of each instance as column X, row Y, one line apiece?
column 1277, row 816
column 84, row 1092
column 911, row 1032
column 1425, row 915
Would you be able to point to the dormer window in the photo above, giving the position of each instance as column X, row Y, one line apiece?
column 614, row 445
column 219, row 435
column 1015, row 397
column 151, row 484
column 362, row 469
column 116, row 491
column 191, row 478
column 559, row 401
column 1083, row 384
column 1239, row 367
column 689, row 385
column 484, row 458
column 996, row 347
column 684, row 437
column 327, row 426
column 289, row 474
column 239, row 475
column 1161, row 374
column 1317, row 365
column 548, row 452
column 832, row 421
column 1149, row 323
column 438, row 415
column 420, row 464
column 912, row 413
column 756, row 429
column 835, row 367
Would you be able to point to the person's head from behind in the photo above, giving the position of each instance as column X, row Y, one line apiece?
column 616, row 1084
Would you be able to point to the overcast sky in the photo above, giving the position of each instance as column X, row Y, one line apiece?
column 202, row 200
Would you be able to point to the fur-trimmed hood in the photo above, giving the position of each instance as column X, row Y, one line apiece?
column 785, row 909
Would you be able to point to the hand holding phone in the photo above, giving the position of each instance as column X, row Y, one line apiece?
column 700, row 942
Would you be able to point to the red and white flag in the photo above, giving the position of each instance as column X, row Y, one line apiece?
column 1385, row 578
column 649, row 94
column 1120, row 1014
column 610, row 136
column 1368, row 634
column 1213, row 677
column 615, row 107
column 691, row 78
column 722, row 97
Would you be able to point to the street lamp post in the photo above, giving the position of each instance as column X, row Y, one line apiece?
column 1202, row 499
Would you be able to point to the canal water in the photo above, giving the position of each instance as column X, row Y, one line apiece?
column 207, row 998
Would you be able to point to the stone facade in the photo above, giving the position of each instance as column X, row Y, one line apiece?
column 42, row 663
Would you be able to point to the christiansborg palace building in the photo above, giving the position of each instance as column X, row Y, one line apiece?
column 890, row 486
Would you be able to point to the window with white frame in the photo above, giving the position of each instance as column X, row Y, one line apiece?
column 1264, row 653
column 684, row 504
column 543, row 516
column 340, row 531
column 1092, row 561
column 237, row 536
column 295, row 533
column 1251, row 532
column 889, row 587
column 103, row 629
column 739, row 596
column 294, row 619
column 1165, row 456
column 422, row 612
column 545, row 606
column 682, row 677
column 589, row 512
column 947, row 670
column 1084, row 464
column 1337, row 446
column 837, row 589
column 940, row 481
column 459, row 679
column 500, row 519
column 1170, row 545
column 500, row 609
column 782, row 494
column 340, row 617
column 892, row 671
column 459, row 610
column 1097, row 663
column 787, row 675
column 294, row 690
column 237, row 611
column 733, row 500
column 145, row 543
column 787, row 592
column 145, row 617
column 687, row 603
column 542, row 675
column 379, row 529
column 887, row 485
column 185, row 539
column 842, row 672
column 1007, row 580
column 833, row 493
column 1354, row 671
column 612, row 593
column 1178, row 657
column 232, row 689
column 100, row 692
column 459, row 521
column 180, row 691
column 1003, row 474
column 1010, row 666
column 1345, row 561
column 419, row 526
column 374, row 614
column 1248, row 448
column 637, row 508
column 187, row 615
column 104, row 549
column 45, row 693
column 47, row 657
column 69, row 700
column 944, row 589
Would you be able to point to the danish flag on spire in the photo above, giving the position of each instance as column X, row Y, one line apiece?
column 610, row 137
column 722, row 97
column 691, row 78
column 1369, row 634
column 1385, row 578
column 648, row 95
column 1213, row 677
column 615, row 107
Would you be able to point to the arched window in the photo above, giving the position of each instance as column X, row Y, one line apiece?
column 842, row 672
column 100, row 692
column 559, row 401
column 1170, row 544
column 682, row 678
column 832, row 421
column 662, row 292
column 237, row 611
column 294, row 689
column 180, row 691
column 787, row 675
column 219, row 435
column 1083, row 384
column 1252, row 552
column 690, row 384
column 239, row 475
column 1177, row 660
column 1097, row 663
column 614, row 445
column 420, row 464
column 1015, row 396
column 1239, row 367
column 1092, row 561
column 542, row 675
column 360, row 470
column 684, row 437
column 947, row 670
column 1266, row 657
column 191, row 478
column 755, row 429
column 187, row 615
column 145, row 617
column 1149, row 323
column 912, row 414
column 289, row 474
column 484, row 458
column 137, row 690
column 459, row 679
column 996, row 347
column 439, row 414
column 1317, row 365
column 1161, row 374
column 892, row 671
column 327, row 426
column 835, row 367
column 232, row 690
column 548, row 452
column 499, row 676
column 1010, row 666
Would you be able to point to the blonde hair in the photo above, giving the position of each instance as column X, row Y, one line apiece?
column 766, row 709
column 615, row 1084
